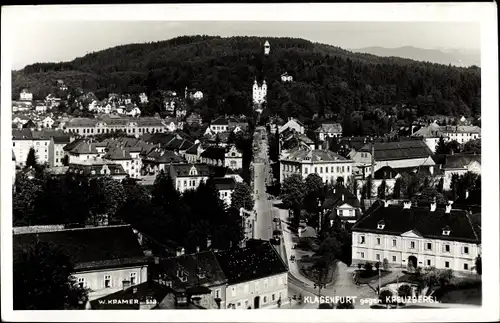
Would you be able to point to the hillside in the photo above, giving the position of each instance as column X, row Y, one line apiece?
column 453, row 57
column 327, row 79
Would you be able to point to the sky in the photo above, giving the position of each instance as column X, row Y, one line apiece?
column 54, row 40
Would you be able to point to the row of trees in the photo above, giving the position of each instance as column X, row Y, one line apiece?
column 446, row 148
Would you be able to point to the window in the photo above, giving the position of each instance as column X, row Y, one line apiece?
column 447, row 264
column 81, row 282
column 133, row 278
column 377, row 256
column 185, row 183
column 238, row 304
column 347, row 168
column 428, row 246
column 361, row 239
column 378, row 240
column 273, row 297
column 331, row 170
column 412, row 244
column 466, row 267
column 315, row 169
column 428, row 262
column 326, row 169
column 233, row 291
column 394, row 259
column 217, row 293
column 265, row 300
column 107, row 281
column 447, row 248
column 321, row 170
column 306, row 170
column 362, row 254
column 466, row 250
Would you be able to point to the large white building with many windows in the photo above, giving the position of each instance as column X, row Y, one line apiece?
column 417, row 237
column 327, row 164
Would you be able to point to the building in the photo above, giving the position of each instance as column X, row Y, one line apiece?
column 461, row 134
column 25, row 95
column 188, row 176
column 329, row 130
column 194, row 118
column 342, row 204
column 327, row 164
column 97, row 167
column 286, row 78
column 416, row 237
column 402, row 154
column 143, row 98
column 256, row 276
column 56, row 150
column 225, row 187
column 294, row 124
column 259, row 93
column 157, row 160
column 213, row 155
column 267, row 48
column 83, row 150
column 459, row 164
column 48, row 122
column 431, row 135
column 134, row 126
column 128, row 158
column 194, row 275
column 233, row 158
column 25, row 139
column 105, row 258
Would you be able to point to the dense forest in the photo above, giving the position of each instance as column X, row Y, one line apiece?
column 327, row 80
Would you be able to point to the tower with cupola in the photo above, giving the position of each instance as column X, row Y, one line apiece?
column 259, row 92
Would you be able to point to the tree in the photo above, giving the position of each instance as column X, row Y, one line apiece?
column 293, row 191
column 42, row 279
column 26, row 191
column 441, row 147
column 242, row 197
column 65, row 160
column 314, row 192
column 479, row 265
column 440, row 186
column 429, row 195
column 368, row 189
column 385, row 297
column 31, row 160
column 385, row 264
column 345, row 305
column 472, row 147
column 404, row 290
column 107, row 196
column 396, row 192
column 382, row 190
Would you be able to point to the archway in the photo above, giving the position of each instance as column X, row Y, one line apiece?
column 412, row 263
column 256, row 302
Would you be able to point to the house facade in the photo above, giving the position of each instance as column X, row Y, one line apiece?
column 233, row 158
column 24, row 139
column 257, row 277
column 105, row 258
column 327, row 164
column 329, row 130
column 25, row 95
column 416, row 237
column 56, row 150
column 137, row 126
column 460, row 164
column 225, row 187
column 188, row 176
column 293, row 124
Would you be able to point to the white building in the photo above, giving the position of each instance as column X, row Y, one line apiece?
column 417, row 237
column 460, row 164
column 267, row 48
column 233, row 158
column 327, row 164
column 128, row 158
column 188, row 176
column 48, row 122
column 257, row 276
column 329, row 130
column 286, row 78
column 225, row 187
column 293, row 124
column 24, row 139
column 25, row 95
column 461, row 134
column 259, row 93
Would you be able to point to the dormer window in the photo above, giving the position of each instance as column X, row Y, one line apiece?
column 446, row 232
column 381, row 225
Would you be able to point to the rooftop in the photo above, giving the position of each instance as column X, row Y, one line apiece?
column 316, row 155
column 398, row 150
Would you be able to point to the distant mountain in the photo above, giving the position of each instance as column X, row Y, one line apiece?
column 456, row 57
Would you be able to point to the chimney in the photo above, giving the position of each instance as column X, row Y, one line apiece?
column 406, row 204
column 197, row 249
column 448, row 208
column 386, row 203
column 180, row 252
column 334, row 190
column 431, row 170
column 126, row 284
column 466, row 194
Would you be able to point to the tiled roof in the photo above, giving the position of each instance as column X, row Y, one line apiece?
column 224, row 183
column 331, row 127
column 317, row 155
column 253, row 262
column 84, row 147
column 398, row 150
column 431, row 131
column 420, row 219
column 460, row 161
column 178, row 144
column 62, row 139
column 149, row 122
column 81, row 122
column 73, row 144
column 214, row 153
column 204, row 262
column 220, row 121
column 118, row 153
column 193, row 150
column 162, row 156
column 22, row 134
column 182, row 170
column 100, row 168
column 90, row 248
column 333, row 198
column 461, row 129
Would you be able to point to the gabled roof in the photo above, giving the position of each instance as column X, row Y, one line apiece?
column 224, row 183
column 398, row 150
column 212, row 152
column 474, row 199
column 330, row 127
column 193, row 150
column 84, row 147
column 90, row 248
column 97, row 169
column 428, row 224
column 220, row 121
column 431, row 131
column 118, row 153
column 460, row 161
column 339, row 196
column 256, row 261
column 162, row 156
column 182, row 170
column 189, row 266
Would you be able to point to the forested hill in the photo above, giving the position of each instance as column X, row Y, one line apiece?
column 327, row 79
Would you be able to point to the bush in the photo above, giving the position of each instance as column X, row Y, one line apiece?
column 345, row 305
column 377, row 265
column 360, row 265
column 325, row 306
column 384, row 295
column 385, row 264
column 404, row 290
column 368, row 266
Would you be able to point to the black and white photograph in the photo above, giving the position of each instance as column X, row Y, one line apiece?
column 227, row 158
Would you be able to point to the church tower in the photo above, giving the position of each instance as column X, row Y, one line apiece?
column 267, row 48
column 259, row 93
